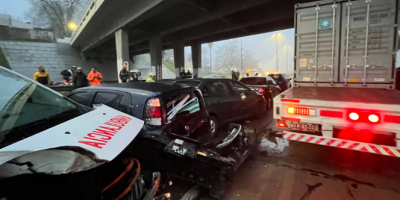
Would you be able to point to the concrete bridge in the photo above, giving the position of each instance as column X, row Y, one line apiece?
column 119, row 29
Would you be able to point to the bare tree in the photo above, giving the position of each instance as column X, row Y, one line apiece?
column 228, row 55
column 56, row 14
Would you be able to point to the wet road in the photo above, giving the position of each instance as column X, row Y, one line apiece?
column 283, row 169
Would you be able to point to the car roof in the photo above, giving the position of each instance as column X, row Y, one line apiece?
column 147, row 89
column 255, row 77
column 203, row 79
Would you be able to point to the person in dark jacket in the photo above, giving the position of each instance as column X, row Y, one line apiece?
column 79, row 79
column 42, row 76
column 183, row 73
column 234, row 75
column 124, row 75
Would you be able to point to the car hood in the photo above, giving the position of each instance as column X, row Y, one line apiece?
column 104, row 132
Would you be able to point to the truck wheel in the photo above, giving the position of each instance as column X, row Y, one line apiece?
column 213, row 125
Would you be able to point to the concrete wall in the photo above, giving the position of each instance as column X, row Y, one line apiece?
column 26, row 57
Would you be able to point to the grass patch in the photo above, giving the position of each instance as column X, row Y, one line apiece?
column 169, row 66
column 3, row 60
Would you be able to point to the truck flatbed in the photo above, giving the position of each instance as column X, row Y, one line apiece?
column 370, row 96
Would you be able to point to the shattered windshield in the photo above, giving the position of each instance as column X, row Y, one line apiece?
column 24, row 102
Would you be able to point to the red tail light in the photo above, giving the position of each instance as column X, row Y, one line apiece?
column 364, row 116
column 153, row 112
column 281, row 124
column 354, row 116
column 261, row 91
column 373, row 118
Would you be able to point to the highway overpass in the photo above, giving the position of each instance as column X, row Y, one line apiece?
column 119, row 29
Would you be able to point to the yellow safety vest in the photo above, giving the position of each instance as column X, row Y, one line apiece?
column 150, row 80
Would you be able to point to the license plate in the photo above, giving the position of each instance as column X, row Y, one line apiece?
column 298, row 126
column 179, row 150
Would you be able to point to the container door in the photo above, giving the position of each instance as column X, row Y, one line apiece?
column 317, row 40
column 368, row 45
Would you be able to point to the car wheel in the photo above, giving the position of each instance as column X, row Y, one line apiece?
column 260, row 112
column 213, row 125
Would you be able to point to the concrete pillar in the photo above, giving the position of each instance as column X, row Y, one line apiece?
column 179, row 57
column 156, row 56
column 122, row 47
column 196, row 58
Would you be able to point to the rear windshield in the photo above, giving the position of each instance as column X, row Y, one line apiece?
column 177, row 103
column 254, row 81
column 275, row 76
column 192, row 83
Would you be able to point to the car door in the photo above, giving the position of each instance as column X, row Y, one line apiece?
column 246, row 97
column 116, row 100
column 221, row 101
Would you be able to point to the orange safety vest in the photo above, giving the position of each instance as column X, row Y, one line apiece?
column 94, row 81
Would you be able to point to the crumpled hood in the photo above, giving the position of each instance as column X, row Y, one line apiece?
column 104, row 131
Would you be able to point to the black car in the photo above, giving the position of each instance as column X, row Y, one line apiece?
column 164, row 107
column 283, row 81
column 228, row 100
column 263, row 85
column 176, row 125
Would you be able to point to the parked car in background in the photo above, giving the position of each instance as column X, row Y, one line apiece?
column 263, row 85
column 283, row 81
column 228, row 100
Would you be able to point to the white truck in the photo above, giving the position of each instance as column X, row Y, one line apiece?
column 343, row 94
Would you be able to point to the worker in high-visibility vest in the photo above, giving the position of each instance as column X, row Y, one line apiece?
column 150, row 79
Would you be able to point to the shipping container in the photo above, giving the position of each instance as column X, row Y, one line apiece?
column 346, row 43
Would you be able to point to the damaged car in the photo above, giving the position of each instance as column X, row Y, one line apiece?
column 176, row 137
column 54, row 148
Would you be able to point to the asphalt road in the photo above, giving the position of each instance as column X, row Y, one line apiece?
column 286, row 170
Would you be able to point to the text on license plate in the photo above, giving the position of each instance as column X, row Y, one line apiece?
column 303, row 126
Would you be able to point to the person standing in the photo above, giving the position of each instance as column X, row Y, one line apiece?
column 234, row 75
column 247, row 74
column 95, row 77
column 124, row 75
column 150, row 79
column 79, row 79
column 183, row 73
column 42, row 76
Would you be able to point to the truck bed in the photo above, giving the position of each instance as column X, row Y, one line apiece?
column 379, row 96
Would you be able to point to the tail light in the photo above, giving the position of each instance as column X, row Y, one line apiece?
column 301, row 111
column 261, row 90
column 359, row 116
column 153, row 112
column 354, row 116
column 281, row 124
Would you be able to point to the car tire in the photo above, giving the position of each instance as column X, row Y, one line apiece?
column 260, row 112
column 213, row 125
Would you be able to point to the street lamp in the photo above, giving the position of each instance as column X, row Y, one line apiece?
column 277, row 57
column 72, row 26
column 287, row 54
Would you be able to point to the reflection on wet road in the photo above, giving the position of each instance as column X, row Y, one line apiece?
column 283, row 169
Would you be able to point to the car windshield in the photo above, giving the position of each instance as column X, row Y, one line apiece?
column 254, row 81
column 24, row 103
column 275, row 76
column 192, row 83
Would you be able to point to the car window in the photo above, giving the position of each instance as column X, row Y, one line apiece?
column 237, row 88
column 254, row 81
column 204, row 91
column 80, row 97
column 124, row 104
column 271, row 81
column 219, row 89
column 109, row 99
